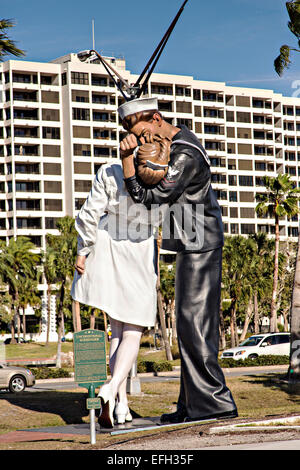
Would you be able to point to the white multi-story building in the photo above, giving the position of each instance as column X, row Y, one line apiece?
column 60, row 123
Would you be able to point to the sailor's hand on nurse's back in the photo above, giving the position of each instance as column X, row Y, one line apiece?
column 80, row 264
column 128, row 145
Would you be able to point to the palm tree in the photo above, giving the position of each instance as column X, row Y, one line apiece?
column 22, row 263
column 238, row 258
column 28, row 289
column 283, row 61
column 65, row 248
column 7, row 46
column 50, row 274
column 279, row 200
column 261, row 276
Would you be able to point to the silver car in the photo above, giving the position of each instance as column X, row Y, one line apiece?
column 15, row 378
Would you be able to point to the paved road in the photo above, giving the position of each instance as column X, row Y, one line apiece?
column 162, row 377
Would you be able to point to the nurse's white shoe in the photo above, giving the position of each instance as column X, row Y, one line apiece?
column 122, row 413
column 106, row 419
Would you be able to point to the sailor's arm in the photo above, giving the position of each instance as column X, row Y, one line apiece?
column 182, row 169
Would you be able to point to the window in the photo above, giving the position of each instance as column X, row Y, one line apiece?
column 51, row 133
column 234, row 212
column 97, row 80
column 53, row 205
column 260, row 166
column 246, row 180
column 52, row 186
column 81, row 114
column 245, row 165
column 33, row 222
column 82, row 150
column 52, row 169
column 81, row 132
column 247, row 213
column 247, row 229
column 79, row 78
column 162, row 89
column 232, row 180
column 246, row 197
column 101, row 152
column 211, row 129
column 97, row 116
column 51, row 150
column 281, row 339
column 197, row 95
column 79, row 203
column 50, row 223
column 183, row 107
column 243, row 117
column 232, row 196
column 101, row 99
column 258, row 103
column 222, row 195
column 243, row 101
column 82, row 168
column 270, row 340
column 185, row 122
column 208, row 96
column 82, row 186
column 50, row 97
column 234, row 229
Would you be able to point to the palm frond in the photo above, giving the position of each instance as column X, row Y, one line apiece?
column 283, row 61
column 293, row 8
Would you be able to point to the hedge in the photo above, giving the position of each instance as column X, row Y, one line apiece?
column 49, row 373
column 266, row 360
column 154, row 366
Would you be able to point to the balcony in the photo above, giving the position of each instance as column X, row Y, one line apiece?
column 28, row 204
column 27, row 150
column 26, row 78
column 29, row 223
column 26, row 96
column 28, row 186
column 26, row 132
column 27, row 114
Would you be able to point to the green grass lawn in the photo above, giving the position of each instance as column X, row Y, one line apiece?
column 255, row 396
column 34, row 350
column 41, row 351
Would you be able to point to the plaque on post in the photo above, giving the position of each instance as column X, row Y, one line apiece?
column 90, row 368
column 90, row 358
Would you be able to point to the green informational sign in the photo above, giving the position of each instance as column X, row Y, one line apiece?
column 90, row 358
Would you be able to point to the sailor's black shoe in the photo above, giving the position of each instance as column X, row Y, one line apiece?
column 224, row 415
column 178, row 416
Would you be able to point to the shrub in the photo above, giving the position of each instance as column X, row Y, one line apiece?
column 154, row 366
column 175, row 351
column 49, row 373
column 259, row 361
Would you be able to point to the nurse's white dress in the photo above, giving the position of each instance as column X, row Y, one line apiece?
column 118, row 237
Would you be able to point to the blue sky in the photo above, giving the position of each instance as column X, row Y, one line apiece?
column 233, row 41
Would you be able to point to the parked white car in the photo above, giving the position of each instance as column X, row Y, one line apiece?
column 277, row 344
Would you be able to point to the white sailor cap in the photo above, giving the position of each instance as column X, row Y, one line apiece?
column 136, row 106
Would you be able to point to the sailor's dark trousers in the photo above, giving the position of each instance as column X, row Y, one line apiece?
column 203, row 391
